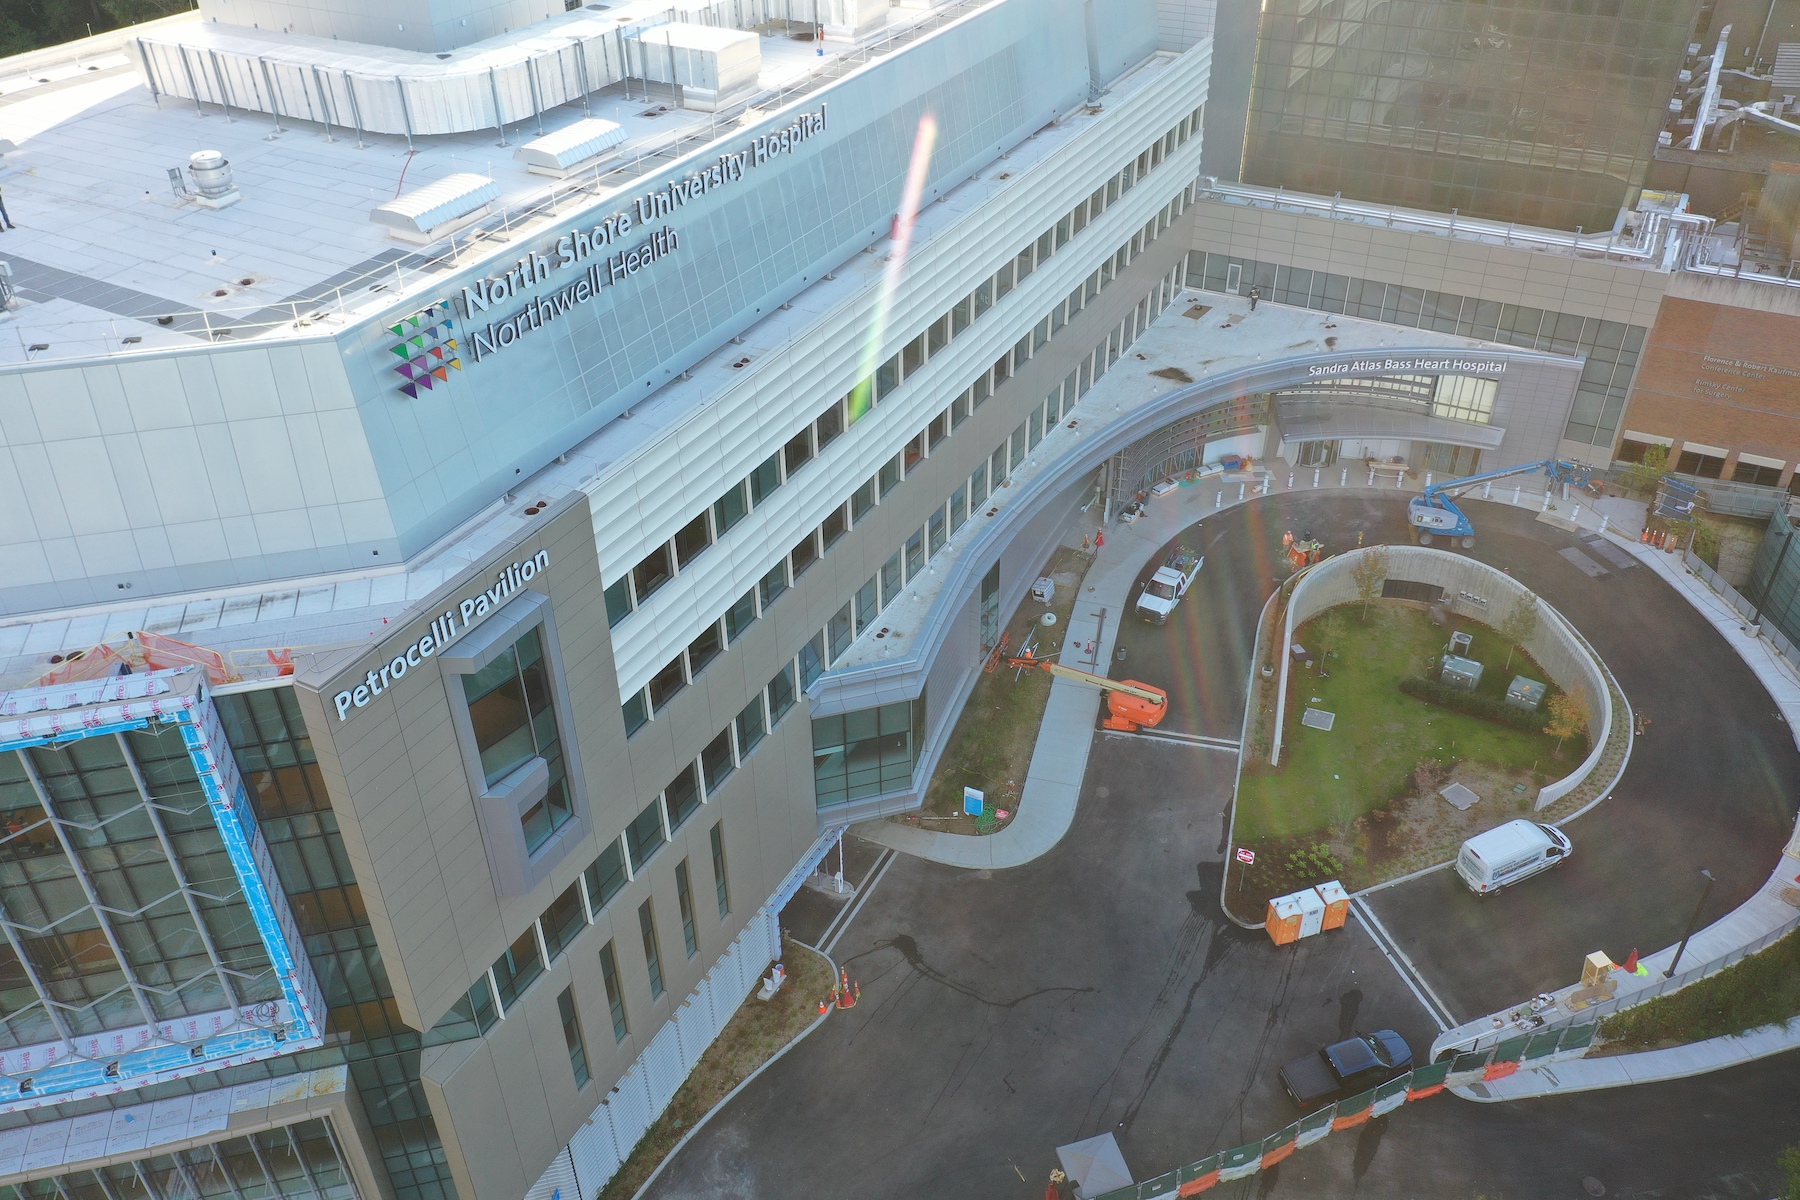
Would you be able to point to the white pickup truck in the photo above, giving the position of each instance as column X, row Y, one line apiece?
column 1167, row 586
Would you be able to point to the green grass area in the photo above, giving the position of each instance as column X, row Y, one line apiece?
column 1760, row 990
column 1367, row 760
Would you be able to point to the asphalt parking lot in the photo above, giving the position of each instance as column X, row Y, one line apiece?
column 1099, row 988
column 1004, row 1013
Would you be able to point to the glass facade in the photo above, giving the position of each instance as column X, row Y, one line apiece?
column 1611, row 349
column 515, row 721
column 1541, row 112
column 363, row 1025
column 122, row 905
column 296, row 1162
column 867, row 752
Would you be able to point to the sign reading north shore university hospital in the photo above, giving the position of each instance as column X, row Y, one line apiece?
column 448, row 626
column 1389, row 366
column 607, row 248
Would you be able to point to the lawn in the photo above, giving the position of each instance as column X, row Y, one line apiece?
column 1760, row 990
column 991, row 746
column 1327, row 780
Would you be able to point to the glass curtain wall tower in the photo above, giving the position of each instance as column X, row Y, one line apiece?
column 1540, row 112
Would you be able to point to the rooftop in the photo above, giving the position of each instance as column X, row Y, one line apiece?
column 109, row 258
column 243, row 623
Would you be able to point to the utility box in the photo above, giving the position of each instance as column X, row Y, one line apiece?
column 1044, row 590
column 1312, row 912
column 1525, row 693
column 1283, row 920
column 1461, row 673
column 1337, row 903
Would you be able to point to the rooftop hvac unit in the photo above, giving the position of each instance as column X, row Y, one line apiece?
column 572, row 148
column 437, row 210
column 213, row 184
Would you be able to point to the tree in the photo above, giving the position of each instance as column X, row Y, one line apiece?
column 1645, row 476
column 1520, row 624
column 1370, row 573
column 1568, row 718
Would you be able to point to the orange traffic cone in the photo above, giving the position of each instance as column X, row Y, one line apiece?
column 1645, row 536
column 824, row 1007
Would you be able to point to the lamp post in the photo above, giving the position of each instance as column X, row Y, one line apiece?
column 1692, row 921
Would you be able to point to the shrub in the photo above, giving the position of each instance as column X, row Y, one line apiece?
column 1314, row 864
column 1485, row 707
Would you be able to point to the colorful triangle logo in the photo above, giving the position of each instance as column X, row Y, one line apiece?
column 411, row 391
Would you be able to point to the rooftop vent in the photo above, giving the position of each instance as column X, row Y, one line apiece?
column 437, row 210
column 213, row 185
column 572, row 148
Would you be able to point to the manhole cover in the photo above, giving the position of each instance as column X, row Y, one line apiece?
column 1592, row 1186
column 1318, row 718
column 1463, row 798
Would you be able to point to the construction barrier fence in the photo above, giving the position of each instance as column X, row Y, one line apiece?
column 1482, row 1066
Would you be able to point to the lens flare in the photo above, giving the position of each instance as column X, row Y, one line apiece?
column 911, row 192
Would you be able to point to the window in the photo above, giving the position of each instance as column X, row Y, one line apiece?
column 1003, row 282
column 915, row 554
column 890, row 475
column 515, row 722
column 862, row 500
column 834, row 527
column 652, row 952
column 938, row 336
column 812, row 659
column 798, row 452
column 838, row 633
column 518, row 968
column 732, row 507
column 684, row 900
column 683, row 797
column 650, row 574
column 829, row 424
column 618, row 601
column 636, row 712
column 868, row 605
column 765, row 479
column 997, row 466
column 781, row 694
column 563, row 921
column 1024, row 264
column 571, row 1026
column 703, row 649
column 912, row 357
column 690, row 540
column 990, row 607
column 718, row 859
column 935, row 534
column 750, row 727
column 891, row 582
column 938, row 430
column 865, row 753
column 978, row 487
column 887, row 378
column 606, row 876
column 805, row 554
column 772, row 585
column 666, row 684
column 962, row 315
column 914, row 452
column 615, row 995
column 716, row 761
column 644, row 836
column 1018, row 446
column 984, row 296
column 741, row 616
column 959, row 507
column 980, row 391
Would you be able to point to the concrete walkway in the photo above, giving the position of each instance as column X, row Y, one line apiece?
column 1763, row 915
column 1059, row 760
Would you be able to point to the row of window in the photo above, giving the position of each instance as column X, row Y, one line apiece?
column 824, row 648
column 579, row 906
column 625, row 594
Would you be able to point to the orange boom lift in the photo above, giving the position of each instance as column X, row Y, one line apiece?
column 1130, row 705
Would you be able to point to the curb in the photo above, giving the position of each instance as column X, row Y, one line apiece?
column 1243, row 745
column 728, row 1097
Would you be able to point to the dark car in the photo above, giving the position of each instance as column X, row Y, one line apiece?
column 1347, row 1068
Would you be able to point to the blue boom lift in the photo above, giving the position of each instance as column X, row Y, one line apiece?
column 1436, row 514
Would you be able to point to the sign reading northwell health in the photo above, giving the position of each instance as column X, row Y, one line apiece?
column 582, row 245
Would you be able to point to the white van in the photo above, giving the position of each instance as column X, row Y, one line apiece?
column 1508, row 853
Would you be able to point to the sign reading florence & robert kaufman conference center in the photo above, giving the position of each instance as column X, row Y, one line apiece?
column 585, row 245
column 445, row 629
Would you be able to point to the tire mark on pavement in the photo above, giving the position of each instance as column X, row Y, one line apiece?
column 909, row 950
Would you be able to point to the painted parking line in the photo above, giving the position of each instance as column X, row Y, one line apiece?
column 1435, row 1008
column 829, row 939
column 1184, row 739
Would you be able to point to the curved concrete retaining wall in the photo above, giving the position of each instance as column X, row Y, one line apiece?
column 1475, row 590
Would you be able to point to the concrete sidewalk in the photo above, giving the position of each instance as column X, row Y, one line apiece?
column 1764, row 914
column 1059, row 760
